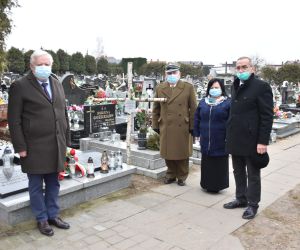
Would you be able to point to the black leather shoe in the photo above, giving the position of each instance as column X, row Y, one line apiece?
column 44, row 228
column 169, row 180
column 249, row 213
column 181, row 183
column 235, row 204
column 58, row 222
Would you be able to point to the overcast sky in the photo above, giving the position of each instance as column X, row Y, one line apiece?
column 212, row 31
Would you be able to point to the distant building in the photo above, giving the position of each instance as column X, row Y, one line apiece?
column 193, row 63
column 274, row 66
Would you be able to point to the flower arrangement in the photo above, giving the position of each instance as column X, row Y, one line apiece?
column 100, row 93
column 71, row 152
column 137, row 90
column 279, row 114
column 76, row 108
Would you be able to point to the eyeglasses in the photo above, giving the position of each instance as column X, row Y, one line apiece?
column 243, row 67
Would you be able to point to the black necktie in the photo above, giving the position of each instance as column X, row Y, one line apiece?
column 44, row 85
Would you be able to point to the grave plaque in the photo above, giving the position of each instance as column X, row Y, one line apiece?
column 96, row 115
column 17, row 184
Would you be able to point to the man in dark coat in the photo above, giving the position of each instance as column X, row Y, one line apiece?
column 39, row 131
column 248, row 133
column 174, row 120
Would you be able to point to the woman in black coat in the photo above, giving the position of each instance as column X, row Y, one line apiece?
column 210, row 125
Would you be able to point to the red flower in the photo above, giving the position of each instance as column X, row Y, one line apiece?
column 101, row 94
column 72, row 152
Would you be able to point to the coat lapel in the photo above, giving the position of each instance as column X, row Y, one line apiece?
column 36, row 84
column 176, row 91
column 54, row 89
column 166, row 90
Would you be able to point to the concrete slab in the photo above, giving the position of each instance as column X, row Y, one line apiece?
column 149, row 199
column 228, row 242
column 202, row 198
column 16, row 208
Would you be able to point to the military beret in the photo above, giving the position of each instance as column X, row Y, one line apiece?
column 171, row 67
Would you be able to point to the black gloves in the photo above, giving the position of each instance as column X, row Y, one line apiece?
column 156, row 130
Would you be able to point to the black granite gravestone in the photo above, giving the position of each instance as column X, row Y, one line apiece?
column 95, row 116
column 75, row 94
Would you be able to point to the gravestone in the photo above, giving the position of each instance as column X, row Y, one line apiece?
column 286, row 127
column 96, row 115
column 75, row 94
column 17, row 184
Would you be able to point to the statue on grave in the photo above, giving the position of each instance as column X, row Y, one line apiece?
column 283, row 92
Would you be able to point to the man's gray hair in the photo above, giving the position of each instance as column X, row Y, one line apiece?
column 38, row 53
column 245, row 57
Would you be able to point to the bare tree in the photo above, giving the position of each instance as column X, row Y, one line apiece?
column 258, row 63
column 99, row 51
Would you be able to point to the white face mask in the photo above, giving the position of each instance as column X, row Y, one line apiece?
column 42, row 72
column 172, row 79
column 215, row 92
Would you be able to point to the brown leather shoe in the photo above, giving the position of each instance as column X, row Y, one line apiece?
column 44, row 228
column 58, row 222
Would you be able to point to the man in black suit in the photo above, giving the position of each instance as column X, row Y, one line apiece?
column 248, row 132
column 39, row 130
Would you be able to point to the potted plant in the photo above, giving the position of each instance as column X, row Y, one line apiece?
column 142, row 120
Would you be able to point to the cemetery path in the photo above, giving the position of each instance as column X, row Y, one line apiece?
column 150, row 215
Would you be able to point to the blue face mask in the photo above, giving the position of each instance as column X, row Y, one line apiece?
column 172, row 79
column 243, row 76
column 215, row 92
column 42, row 72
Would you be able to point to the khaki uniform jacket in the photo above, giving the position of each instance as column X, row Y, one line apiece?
column 174, row 119
column 38, row 125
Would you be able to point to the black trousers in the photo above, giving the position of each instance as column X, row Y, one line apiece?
column 247, row 180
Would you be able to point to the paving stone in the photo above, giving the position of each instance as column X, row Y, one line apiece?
column 201, row 197
column 128, row 233
column 119, row 228
column 229, row 242
column 76, row 236
column 92, row 239
column 102, row 245
column 140, row 238
column 150, row 243
column 99, row 228
column 125, row 244
column 106, row 233
column 149, row 199
column 114, row 239
column 79, row 244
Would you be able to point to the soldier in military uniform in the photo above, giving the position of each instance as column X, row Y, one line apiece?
column 174, row 121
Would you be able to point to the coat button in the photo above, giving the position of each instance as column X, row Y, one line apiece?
column 57, row 132
column 179, row 125
column 179, row 114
